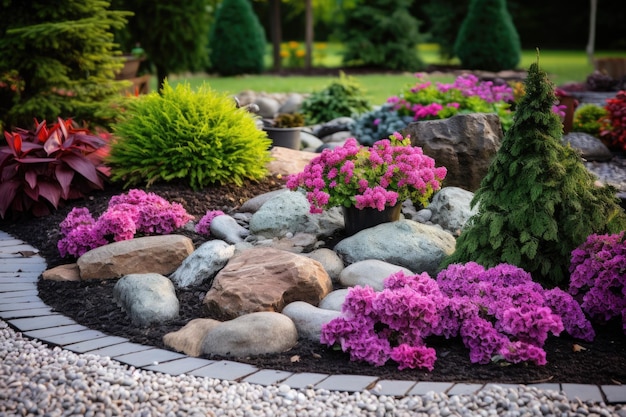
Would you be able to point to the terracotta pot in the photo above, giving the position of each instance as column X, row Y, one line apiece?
column 358, row 219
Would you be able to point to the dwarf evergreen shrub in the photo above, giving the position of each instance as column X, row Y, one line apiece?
column 237, row 39
column 487, row 39
column 589, row 118
column 199, row 137
column 537, row 202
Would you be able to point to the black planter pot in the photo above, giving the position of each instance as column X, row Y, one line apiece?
column 286, row 137
column 358, row 219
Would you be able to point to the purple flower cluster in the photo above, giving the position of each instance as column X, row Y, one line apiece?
column 127, row 215
column 498, row 313
column 204, row 225
column 598, row 274
column 388, row 172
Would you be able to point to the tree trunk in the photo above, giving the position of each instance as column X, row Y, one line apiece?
column 276, row 33
column 309, row 35
column 592, row 30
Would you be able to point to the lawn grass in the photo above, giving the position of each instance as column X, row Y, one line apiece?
column 562, row 67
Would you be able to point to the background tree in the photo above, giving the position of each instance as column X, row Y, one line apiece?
column 487, row 38
column 382, row 34
column 237, row 40
column 537, row 202
column 444, row 18
column 57, row 60
column 172, row 33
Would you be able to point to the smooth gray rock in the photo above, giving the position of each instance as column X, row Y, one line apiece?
column 309, row 319
column 451, row 208
column 268, row 107
column 251, row 334
column 146, row 298
column 590, row 147
column 417, row 247
column 334, row 300
column 331, row 262
column 226, row 228
column 203, row 263
column 369, row 272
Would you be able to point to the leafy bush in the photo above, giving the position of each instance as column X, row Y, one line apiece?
column 43, row 167
column 425, row 101
column 614, row 133
column 128, row 215
column 499, row 313
column 237, row 39
column 378, row 124
column 588, row 118
column 200, row 137
column 342, row 97
column 382, row 34
column 597, row 274
column 487, row 39
column 538, row 201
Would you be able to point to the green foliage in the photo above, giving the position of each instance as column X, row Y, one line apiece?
column 383, row 34
column 61, row 60
column 537, row 202
column 342, row 97
column 199, row 137
column 237, row 40
column 487, row 39
column 173, row 34
column 289, row 120
column 446, row 16
column 588, row 119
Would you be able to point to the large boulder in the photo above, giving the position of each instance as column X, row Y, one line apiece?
column 157, row 254
column 189, row 338
column 252, row 334
column 287, row 161
column 265, row 279
column 415, row 246
column 147, row 298
column 465, row 144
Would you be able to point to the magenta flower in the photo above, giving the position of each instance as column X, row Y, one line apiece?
column 385, row 174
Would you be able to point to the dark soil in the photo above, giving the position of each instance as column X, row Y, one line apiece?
column 91, row 304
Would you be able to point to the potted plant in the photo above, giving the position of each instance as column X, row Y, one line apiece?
column 369, row 183
column 284, row 129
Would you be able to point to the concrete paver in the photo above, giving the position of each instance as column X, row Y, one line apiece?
column 267, row 377
column 615, row 394
column 232, row 371
column 582, row 392
column 148, row 357
column 95, row 344
column 179, row 366
column 349, row 383
column 304, row 379
column 394, row 388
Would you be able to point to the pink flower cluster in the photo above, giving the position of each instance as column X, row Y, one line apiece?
column 388, row 172
column 498, row 313
column 204, row 225
column 127, row 215
column 598, row 274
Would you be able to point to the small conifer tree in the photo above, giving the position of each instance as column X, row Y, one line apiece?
column 382, row 34
column 487, row 39
column 60, row 60
column 537, row 202
column 237, row 39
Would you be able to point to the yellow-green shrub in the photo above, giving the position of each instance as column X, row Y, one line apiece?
column 199, row 137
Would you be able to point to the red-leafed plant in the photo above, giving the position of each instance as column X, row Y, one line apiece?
column 614, row 133
column 40, row 168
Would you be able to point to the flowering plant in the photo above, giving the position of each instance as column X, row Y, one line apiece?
column 426, row 101
column 388, row 172
column 127, row 215
column 598, row 273
column 499, row 313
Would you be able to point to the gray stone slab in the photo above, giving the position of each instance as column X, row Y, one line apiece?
column 74, row 337
column 582, row 392
column 464, row 389
column 31, row 278
column 120, row 349
column 350, row 383
column 27, row 276
column 10, row 242
column 305, row 380
column 229, row 370
column 547, row 386
column 44, row 322
column 615, row 394
column 19, row 247
column 26, row 312
column 51, row 331
column 94, row 344
column 22, row 306
column 392, row 387
column 18, row 294
column 179, row 366
column 17, row 286
column 21, row 266
column 267, row 377
column 422, row 388
column 12, row 298
column 148, row 357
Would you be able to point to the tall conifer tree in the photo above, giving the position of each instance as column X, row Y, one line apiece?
column 537, row 202
column 60, row 59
